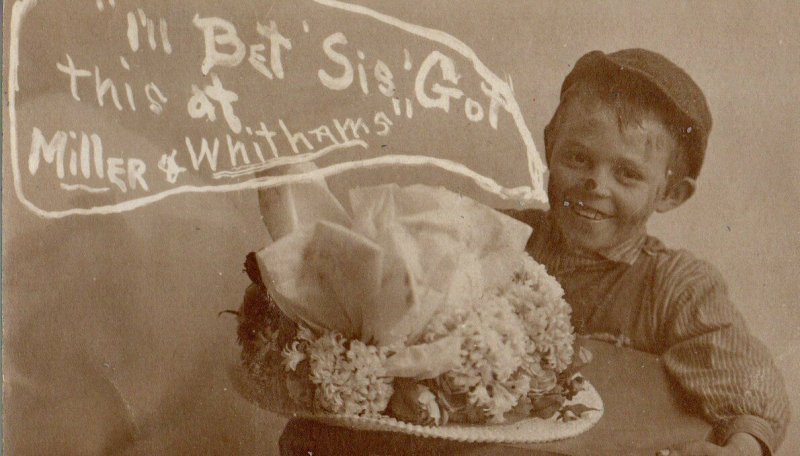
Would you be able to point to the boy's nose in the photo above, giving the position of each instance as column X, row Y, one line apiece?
column 596, row 185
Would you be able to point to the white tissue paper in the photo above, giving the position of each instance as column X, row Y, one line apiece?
column 381, row 272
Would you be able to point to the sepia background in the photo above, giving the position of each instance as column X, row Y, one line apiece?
column 112, row 342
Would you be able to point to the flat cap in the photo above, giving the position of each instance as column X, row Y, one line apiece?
column 659, row 74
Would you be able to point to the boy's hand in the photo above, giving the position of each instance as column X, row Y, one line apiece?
column 740, row 444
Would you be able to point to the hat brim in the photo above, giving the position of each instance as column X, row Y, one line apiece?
column 526, row 430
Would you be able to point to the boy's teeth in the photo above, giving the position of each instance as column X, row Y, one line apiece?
column 588, row 212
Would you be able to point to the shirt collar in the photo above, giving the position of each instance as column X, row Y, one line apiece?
column 626, row 252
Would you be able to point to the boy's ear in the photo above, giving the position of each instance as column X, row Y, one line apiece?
column 676, row 194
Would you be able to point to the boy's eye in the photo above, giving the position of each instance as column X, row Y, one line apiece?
column 629, row 174
column 576, row 158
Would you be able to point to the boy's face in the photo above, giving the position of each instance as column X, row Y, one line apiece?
column 606, row 179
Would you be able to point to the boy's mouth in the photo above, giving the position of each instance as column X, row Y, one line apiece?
column 581, row 209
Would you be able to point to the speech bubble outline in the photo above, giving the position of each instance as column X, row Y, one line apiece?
column 536, row 167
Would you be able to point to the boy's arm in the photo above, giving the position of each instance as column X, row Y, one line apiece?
column 711, row 354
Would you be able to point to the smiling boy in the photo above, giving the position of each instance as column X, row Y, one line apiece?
column 628, row 140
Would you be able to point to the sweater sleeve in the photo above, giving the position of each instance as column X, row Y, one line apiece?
column 711, row 354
